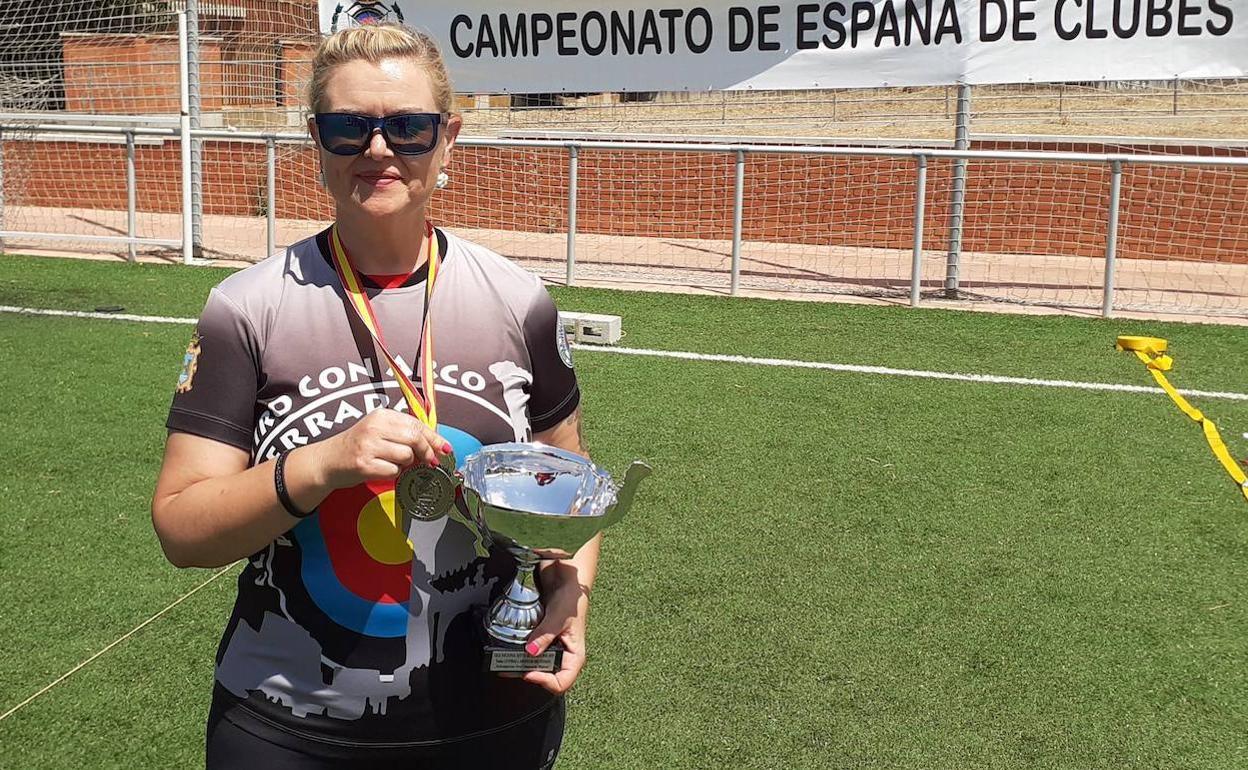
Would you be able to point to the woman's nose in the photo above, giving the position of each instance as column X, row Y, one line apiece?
column 377, row 147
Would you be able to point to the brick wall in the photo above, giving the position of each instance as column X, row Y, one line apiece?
column 135, row 74
column 1011, row 206
column 296, row 72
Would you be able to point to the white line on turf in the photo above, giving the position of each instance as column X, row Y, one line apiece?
column 891, row 372
column 154, row 319
column 117, row 641
column 780, row 362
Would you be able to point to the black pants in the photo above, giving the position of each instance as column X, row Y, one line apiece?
column 238, row 740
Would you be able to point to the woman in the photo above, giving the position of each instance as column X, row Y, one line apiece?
column 355, row 637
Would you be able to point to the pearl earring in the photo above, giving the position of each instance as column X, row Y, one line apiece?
column 443, row 179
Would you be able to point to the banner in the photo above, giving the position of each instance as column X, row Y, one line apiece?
column 666, row 45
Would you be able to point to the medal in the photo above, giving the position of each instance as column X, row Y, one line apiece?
column 422, row 492
column 425, row 492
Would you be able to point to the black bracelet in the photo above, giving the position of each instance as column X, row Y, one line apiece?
column 283, row 496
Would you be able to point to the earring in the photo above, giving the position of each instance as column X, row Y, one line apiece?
column 443, row 179
column 320, row 177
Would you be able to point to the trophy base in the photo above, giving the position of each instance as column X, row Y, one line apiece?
column 512, row 659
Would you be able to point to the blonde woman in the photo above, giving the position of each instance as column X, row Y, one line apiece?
column 354, row 639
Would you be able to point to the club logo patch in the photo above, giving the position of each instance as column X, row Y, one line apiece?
column 190, row 362
column 561, row 342
column 364, row 12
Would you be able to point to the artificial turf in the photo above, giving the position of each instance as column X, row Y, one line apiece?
column 827, row 570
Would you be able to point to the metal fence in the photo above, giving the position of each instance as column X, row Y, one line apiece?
column 728, row 191
column 949, row 251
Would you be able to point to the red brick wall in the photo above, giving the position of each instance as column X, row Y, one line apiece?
column 296, row 72
column 1011, row 206
column 135, row 74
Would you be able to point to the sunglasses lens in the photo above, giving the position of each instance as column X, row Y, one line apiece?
column 412, row 134
column 343, row 134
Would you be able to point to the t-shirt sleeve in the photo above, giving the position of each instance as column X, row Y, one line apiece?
column 554, row 393
column 215, row 396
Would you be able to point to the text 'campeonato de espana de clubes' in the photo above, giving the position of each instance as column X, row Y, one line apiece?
column 832, row 25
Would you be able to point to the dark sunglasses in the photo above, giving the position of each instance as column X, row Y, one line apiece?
column 344, row 133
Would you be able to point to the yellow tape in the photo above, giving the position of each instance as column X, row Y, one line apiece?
column 1149, row 350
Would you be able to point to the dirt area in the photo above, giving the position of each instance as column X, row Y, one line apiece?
column 1028, row 283
column 1188, row 110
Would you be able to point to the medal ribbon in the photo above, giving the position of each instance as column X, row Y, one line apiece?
column 1151, row 352
column 422, row 405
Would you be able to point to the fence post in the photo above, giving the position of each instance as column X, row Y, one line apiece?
column 184, row 134
column 1111, row 240
column 573, row 165
column 962, row 141
column 920, row 208
column 738, row 198
column 131, row 195
column 270, row 195
column 1174, row 107
column 197, row 145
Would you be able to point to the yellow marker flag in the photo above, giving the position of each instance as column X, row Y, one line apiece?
column 1151, row 352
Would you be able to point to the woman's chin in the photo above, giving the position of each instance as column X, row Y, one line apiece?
column 377, row 203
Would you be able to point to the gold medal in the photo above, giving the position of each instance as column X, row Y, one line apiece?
column 425, row 492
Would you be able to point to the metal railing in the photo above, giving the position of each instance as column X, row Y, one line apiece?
column 183, row 128
column 920, row 157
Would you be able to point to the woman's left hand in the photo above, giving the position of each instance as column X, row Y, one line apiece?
column 567, row 606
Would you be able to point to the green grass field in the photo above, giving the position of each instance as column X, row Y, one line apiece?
column 828, row 570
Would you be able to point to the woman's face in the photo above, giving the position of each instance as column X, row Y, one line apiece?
column 378, row 182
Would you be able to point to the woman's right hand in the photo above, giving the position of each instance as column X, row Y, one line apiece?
column 379, row 446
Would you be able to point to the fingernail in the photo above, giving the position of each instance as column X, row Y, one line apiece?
column 532, row 649
column 446, row 449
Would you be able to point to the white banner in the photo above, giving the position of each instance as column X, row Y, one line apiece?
column 559, row 45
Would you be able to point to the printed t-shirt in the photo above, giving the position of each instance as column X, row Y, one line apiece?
column 347, row 626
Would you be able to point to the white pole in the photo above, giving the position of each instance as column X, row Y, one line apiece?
column 957, row 204
column 131, row 195
column 197, row 144
column 184, row 129
column 920, row 209
column 738, row 208
column 270, row 196
column 573, row 193
column 1111, row 241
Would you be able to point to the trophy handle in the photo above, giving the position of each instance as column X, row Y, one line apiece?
column 624, row 498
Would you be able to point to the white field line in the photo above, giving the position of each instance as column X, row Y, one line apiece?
column 117, row 641
column 152, row 319
column 920, row 373
column 720, row 358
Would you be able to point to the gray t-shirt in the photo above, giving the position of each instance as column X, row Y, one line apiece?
column 346, row 626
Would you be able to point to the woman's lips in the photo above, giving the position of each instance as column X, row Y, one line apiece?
column 380, row 180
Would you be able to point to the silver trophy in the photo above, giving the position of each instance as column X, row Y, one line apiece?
column 538, row 502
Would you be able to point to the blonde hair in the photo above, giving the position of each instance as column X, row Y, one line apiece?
column 375, row 43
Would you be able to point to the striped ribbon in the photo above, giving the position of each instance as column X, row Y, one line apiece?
column 423, row 405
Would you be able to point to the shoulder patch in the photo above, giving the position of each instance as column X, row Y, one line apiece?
column 561, row 342
column 190, row 362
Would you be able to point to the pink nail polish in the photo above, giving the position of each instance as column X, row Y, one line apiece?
column 532, row 649
column 446, row 449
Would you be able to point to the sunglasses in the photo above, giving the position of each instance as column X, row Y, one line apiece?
column 344, row 133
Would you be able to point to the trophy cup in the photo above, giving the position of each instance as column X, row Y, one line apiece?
column 537, row 502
